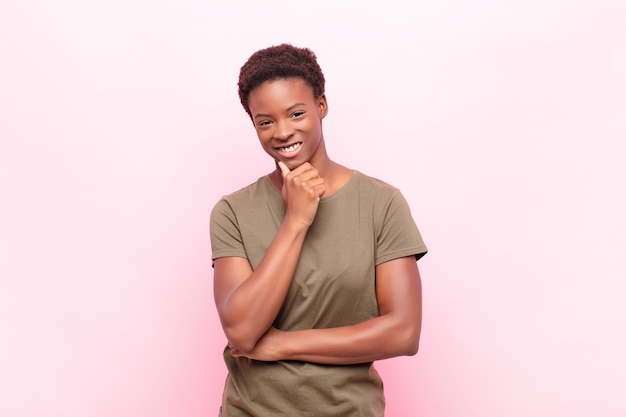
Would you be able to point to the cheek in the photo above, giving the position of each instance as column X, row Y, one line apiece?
column 314, row 129
column 264, row 140
column 263, row 136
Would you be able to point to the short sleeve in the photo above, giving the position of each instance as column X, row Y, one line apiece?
column 399, row 235
column 226, row 237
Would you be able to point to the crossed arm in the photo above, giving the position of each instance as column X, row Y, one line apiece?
column 394, row 333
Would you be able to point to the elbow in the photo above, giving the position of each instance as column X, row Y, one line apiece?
column 240, row 340
column 244, row 347
column 409, row 338
column 242, row 334
column 412, row 348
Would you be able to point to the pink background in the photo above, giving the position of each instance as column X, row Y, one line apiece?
column 503, row 123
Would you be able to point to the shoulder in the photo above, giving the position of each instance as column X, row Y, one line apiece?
column 372, row 181
column 254, row 203
column 385, row 199
column 377, row 188
column 243, row 196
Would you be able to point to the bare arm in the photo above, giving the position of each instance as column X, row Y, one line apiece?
column 248, row 301
column 394, row 333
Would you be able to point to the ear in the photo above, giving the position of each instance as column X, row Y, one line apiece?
column 322, row 106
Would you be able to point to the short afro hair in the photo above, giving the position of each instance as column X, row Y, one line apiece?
column 276, row 62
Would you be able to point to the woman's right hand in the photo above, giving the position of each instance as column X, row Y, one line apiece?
column 302, row 189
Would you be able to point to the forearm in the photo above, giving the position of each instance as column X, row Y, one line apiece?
column 379, row 338
column 251, row 308
column 395, row 332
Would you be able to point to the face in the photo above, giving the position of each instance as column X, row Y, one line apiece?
column 288, row 120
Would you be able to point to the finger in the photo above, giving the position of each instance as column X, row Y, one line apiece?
column 314, row 190
column 320, row 189
column 310, row 175
column 283, row 168
column 316, row 182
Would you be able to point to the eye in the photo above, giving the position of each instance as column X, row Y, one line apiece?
column 297, row 114
column 264, row 123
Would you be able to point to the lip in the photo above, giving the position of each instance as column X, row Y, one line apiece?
column 289, row 155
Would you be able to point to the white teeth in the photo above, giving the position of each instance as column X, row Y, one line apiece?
column 291, row 148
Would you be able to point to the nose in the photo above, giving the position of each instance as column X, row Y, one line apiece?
column 283, row 131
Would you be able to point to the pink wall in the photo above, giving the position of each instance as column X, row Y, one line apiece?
column 504, row 123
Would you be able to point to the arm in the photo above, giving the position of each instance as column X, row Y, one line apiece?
column 394, row 333
column 248, row 301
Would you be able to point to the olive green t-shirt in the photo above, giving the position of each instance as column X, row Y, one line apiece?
column 363, row 224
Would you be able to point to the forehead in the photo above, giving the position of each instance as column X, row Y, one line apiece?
column 281, row 92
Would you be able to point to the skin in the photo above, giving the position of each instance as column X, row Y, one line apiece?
column 288, row 121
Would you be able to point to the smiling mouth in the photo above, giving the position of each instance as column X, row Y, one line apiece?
column 291, row 148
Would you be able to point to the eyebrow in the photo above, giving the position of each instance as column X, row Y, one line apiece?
column 288, row 109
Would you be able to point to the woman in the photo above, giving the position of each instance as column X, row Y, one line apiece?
column 315, row 273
